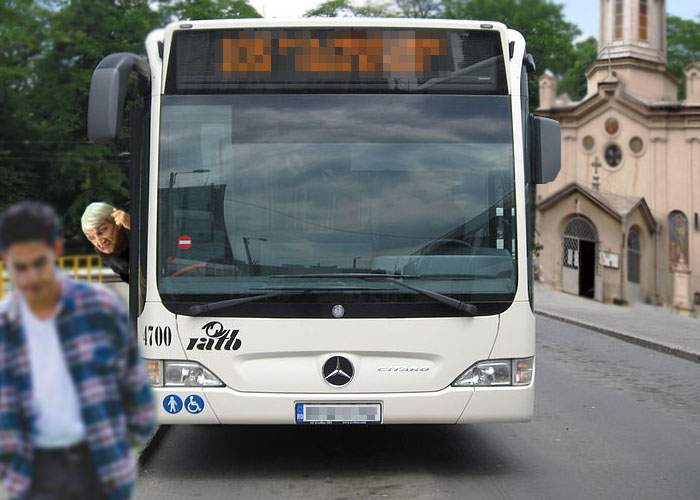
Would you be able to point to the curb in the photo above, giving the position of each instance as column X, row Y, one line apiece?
column 627, row 337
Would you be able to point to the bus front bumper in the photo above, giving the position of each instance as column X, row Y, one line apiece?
column 452, row 405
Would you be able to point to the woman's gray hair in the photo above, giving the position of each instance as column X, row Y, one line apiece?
column 95, row 214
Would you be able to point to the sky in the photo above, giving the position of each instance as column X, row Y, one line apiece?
column 584, row 13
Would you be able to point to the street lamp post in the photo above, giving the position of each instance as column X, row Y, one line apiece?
column 253, row 266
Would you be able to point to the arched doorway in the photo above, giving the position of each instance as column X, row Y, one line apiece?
column 579, row 259
column 634, row 260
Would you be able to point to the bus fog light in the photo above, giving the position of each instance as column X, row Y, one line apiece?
column 522, row 371
column 188, row 374
column 493, row 372
column 154, row 367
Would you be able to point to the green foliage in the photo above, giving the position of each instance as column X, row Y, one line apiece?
column 68, row 171
column 20, row 22
column 397, row 8
column 193, row 10
column 347, row 8
column 549, row 36
column 47, row 55
column 330, row 8
column 420, row 8
column 574, row 79
column 683, row 42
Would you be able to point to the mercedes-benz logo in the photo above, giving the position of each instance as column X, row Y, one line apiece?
column 338, row 371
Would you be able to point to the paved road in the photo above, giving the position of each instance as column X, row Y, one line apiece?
column 613, row 420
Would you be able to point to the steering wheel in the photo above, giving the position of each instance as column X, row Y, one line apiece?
column 189, row 269
column 454, row 240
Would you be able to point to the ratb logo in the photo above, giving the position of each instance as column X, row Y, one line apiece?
column 216, row 338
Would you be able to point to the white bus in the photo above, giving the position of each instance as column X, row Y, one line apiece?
column 334, row 218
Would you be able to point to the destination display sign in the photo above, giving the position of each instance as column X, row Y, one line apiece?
column 347, row 59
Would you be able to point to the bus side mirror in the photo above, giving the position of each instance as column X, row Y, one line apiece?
column 108, row 93
column 546, row 149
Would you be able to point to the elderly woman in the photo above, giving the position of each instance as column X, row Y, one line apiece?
column 108, row 230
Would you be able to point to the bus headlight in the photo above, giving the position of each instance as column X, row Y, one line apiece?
column 497, row 372
column 188, row 374
column 486, row 373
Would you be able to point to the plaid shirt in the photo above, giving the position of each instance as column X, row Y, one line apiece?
column 104, row 362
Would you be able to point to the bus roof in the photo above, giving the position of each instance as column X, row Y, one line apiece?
column 333, row 22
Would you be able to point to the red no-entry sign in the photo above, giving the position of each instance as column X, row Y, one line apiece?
column 184, row 242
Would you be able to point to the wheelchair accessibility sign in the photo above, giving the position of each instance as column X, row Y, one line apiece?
column 194, row 404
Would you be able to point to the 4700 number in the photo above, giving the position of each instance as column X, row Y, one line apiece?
column 157, row 336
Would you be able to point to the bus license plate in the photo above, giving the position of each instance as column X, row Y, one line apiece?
column 338, row 413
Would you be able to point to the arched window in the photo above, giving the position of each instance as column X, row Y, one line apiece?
column 643, row 19
column 633, row 254
column 619, row 4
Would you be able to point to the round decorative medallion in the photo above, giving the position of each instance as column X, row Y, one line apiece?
column 613, row 155
column 636, row 145
column 612, row 126
column 588, row 143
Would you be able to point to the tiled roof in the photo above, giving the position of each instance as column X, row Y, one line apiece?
column 617, row 205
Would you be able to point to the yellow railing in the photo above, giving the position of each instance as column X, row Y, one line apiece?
column 86, row 267
column 79, row 267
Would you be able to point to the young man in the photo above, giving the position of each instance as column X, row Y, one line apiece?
column 108, row 230
column 74, row 396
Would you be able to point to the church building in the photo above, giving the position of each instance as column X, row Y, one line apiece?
column 621, row 223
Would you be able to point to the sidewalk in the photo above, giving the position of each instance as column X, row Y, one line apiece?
column 649, row 326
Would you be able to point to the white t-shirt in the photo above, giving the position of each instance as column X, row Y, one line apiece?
column 54, row 395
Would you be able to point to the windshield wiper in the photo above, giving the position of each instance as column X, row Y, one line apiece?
column 198, row 309
column 470, row 309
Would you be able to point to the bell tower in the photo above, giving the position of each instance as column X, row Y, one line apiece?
column 632, row 50
column 633, row 28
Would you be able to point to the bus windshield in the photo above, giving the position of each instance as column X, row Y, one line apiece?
column 269, row 192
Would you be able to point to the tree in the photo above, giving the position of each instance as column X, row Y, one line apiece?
column 419, row 8
column 330, row 8
column 574, row 81
column 21, row 23
column 193, row 10
column 346, row 8
column 683, row 42
column 549, row 36
column 47, row 56
column 70, row 171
